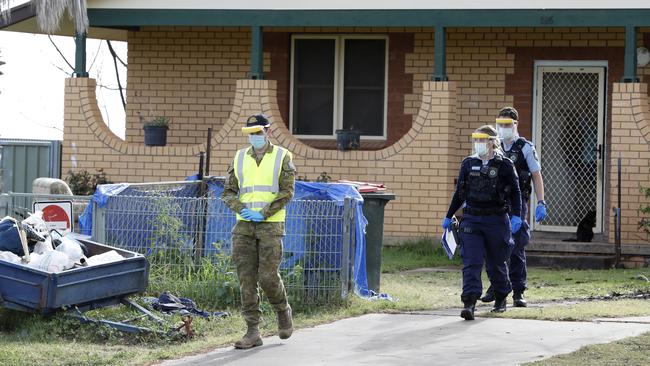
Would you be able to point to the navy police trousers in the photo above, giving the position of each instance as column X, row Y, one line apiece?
column 517, row 259
column 485, row 237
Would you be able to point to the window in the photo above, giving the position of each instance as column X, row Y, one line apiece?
column 338, row 82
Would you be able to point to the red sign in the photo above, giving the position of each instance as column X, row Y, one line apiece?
column 56, row 214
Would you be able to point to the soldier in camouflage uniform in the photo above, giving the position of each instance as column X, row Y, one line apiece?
column 260, row 184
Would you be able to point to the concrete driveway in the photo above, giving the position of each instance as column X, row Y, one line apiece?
column 433, row 338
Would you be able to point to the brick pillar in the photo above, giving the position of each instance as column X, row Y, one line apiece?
column 631, row 142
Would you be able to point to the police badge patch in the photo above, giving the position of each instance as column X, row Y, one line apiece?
column 492, row 173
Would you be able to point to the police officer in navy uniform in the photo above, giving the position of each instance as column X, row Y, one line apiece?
column 486, row 183
column 523, row 155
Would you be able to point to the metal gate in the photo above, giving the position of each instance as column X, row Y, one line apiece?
column 22, row 161
column 569, row 120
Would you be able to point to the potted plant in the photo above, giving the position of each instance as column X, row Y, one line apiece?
column 155, row 131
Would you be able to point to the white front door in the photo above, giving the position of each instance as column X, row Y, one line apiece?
column 568, row 134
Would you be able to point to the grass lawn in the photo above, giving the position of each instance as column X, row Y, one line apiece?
column 29, row 340
column 628, row 351
column 581, row 311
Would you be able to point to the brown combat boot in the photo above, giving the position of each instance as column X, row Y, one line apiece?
column 285, row 323
column 251, row 338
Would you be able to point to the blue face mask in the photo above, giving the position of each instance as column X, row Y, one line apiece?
column 257, row 141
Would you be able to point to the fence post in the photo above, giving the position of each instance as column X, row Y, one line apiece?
column 99, row 223
column 348, row 238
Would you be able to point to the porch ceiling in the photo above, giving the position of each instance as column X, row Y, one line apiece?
column 371, row 18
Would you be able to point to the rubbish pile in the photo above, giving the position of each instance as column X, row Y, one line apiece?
column 365, row 187
column 32, row 244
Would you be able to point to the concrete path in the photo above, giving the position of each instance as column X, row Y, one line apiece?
column 434, row 338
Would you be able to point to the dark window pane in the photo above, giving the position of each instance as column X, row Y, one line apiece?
column 313, row 88
column 364, row 83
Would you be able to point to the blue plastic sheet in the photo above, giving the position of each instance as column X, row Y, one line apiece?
column 298, row 225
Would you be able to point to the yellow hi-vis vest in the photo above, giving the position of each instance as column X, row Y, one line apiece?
column 259, row 185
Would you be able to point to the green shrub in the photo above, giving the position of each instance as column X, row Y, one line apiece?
column 159, row 121
column 84, row 183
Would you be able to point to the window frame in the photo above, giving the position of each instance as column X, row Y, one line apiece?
column 339, row 74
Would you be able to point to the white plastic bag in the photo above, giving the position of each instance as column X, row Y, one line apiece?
column 110, row 256
column 9, row 257
column 36, row 222
column 43, row 246
column 52, row 261
column 71, row 248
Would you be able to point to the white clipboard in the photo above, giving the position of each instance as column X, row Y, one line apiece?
column 449, row 243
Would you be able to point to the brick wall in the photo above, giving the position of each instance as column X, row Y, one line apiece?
column 630, row 142
column 187, row 74
column 190, row 74
column 417, row 167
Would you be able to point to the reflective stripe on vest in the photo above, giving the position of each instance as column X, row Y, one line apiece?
column 259, row 185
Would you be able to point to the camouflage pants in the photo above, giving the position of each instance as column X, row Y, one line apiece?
column 257, row 252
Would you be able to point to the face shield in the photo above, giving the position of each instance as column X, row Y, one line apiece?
column 506, row 128
column 480, row 141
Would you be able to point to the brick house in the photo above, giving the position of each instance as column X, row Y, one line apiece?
column 415, row 80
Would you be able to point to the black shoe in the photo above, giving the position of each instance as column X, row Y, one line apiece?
column 489, row 295
column 470, row 304
column 500, row 302
column 519, row 301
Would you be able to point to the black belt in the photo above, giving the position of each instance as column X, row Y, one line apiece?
column 484, row 211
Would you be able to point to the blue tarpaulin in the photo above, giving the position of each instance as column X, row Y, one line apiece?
column 324, row 244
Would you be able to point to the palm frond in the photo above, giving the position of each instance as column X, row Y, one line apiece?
column 5, row 8
column 49, row 13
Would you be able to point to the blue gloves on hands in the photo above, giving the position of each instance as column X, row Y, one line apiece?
column 515, row 223
column 446, row 223
column 251, row 215
column 540, row 212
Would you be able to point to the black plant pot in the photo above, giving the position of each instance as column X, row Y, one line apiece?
column 348, row 139
column 155, row 135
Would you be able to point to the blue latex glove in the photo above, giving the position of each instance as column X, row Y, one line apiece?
column 515, row 223
column 256, row 216
column 446, row 223
column 246, row 213
column 540, row 212
column 251, row 215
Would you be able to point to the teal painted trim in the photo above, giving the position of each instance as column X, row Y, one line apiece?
column 80, row 56
column 440, row 54
column 378, row 18
column 257, row 53
column 629, row 71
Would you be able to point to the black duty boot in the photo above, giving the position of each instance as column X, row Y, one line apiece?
column 469, row 302
column 519, row 300
column 500, row 301
column 489, row 295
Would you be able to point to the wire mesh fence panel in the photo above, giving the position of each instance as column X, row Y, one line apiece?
column 188, row 243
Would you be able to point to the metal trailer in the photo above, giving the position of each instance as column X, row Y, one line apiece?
column 77, row 290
